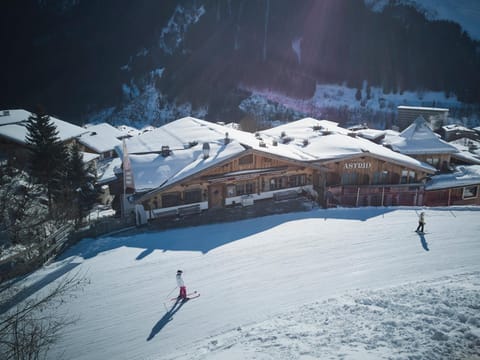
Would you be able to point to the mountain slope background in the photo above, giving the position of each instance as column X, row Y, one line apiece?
column 149, row 62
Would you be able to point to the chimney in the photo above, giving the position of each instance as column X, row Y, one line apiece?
column 165, row 150
column 206, row 150
column 227, row 140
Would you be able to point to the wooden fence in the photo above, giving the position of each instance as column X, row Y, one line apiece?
column 358, row 196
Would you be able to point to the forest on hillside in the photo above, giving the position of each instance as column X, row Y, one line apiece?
column 76, row 60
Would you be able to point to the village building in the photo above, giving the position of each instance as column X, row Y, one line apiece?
column 13, row 132
column 356, row 171
column 436, row 117
column 191, row 165
column 101, row 139
column 419, row 141
column 453, row 132
column 468, row 151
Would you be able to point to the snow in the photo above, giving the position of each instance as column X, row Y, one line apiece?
column 463, row 176
column 106, row 170
column 101, row 137
column 311, row 140
column 418, row 138
column 341, row 96
column 333, row 142
column 329, row 284
column 12, row 126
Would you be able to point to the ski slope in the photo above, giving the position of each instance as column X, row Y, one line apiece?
column 323, row 284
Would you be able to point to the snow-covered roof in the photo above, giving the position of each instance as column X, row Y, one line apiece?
column 456, row 127
column 87, row 157
column 185, row 138
column 13, row 126
column 106, row 170
column 418, row 138
column 128, row 131
column 324, row 140
column 463, row 176
column 468, row 150
column 404, row 107
column 310, row 140
column 101, row 137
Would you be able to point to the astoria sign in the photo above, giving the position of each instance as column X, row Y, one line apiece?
column 358, row 165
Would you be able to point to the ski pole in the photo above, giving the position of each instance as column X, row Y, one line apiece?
column 170, row 293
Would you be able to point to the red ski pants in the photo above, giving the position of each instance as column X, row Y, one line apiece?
column 183, row 292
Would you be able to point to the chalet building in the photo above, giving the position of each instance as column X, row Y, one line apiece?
column 101, row 139
column 454, row 132
column 13, row 134
column 421, row 143
column 469, row 151
column 191, row 165
column 356, row 171
column 194, row 162
column 436, row 117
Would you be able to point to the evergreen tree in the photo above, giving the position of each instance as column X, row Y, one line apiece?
column 78, row 182
column 47, row 153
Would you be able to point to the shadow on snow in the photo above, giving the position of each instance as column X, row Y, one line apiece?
column 423, row 241
column 166, row 318
column 205, row 238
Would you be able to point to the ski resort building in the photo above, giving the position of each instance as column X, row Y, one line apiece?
column 191, row 165
column 419, row 141
column 436, row 117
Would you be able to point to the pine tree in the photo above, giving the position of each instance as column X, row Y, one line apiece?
column 78, row 181
column 47, row 153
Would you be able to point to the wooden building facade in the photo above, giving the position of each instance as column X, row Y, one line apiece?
column 248, row 177
column 370, row 180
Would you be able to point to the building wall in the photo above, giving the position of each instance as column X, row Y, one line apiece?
column 227, row 184
column 370, row 171
column 439, row 161
column 436, row 117
column 466, row 195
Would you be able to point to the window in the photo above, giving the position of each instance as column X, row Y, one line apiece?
column 171, row 199
column 407, row 177
column 277, row 183
column 192, row 196
column 470, row 192
column 231, row 190
column 245, row 188
column 297, row 180
column 380, row 178
column 246, row 160
column 349, row 179
column 433, row 161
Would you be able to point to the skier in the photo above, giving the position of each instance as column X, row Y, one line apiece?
column 421, row 222
column 181, row 285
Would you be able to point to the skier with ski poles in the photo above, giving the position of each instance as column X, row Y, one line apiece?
column 181, row 285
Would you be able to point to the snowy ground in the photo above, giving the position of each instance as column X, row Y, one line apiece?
column 324, row 284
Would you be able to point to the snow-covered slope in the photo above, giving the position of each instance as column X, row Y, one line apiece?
column 329, row 284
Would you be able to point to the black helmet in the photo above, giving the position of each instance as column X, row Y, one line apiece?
column 179, row 271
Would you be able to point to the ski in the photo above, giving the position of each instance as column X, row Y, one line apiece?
column 192, row 295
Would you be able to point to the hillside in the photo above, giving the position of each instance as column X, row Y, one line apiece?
column 337, row 283
column 153, row 62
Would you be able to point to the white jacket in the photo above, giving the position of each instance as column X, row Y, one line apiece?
column 421, row 218
column 180, row 282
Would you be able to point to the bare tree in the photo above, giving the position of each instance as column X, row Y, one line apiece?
column 29, row 328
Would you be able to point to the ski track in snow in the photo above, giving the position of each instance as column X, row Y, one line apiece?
column 321, row 284
column 427, row 320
